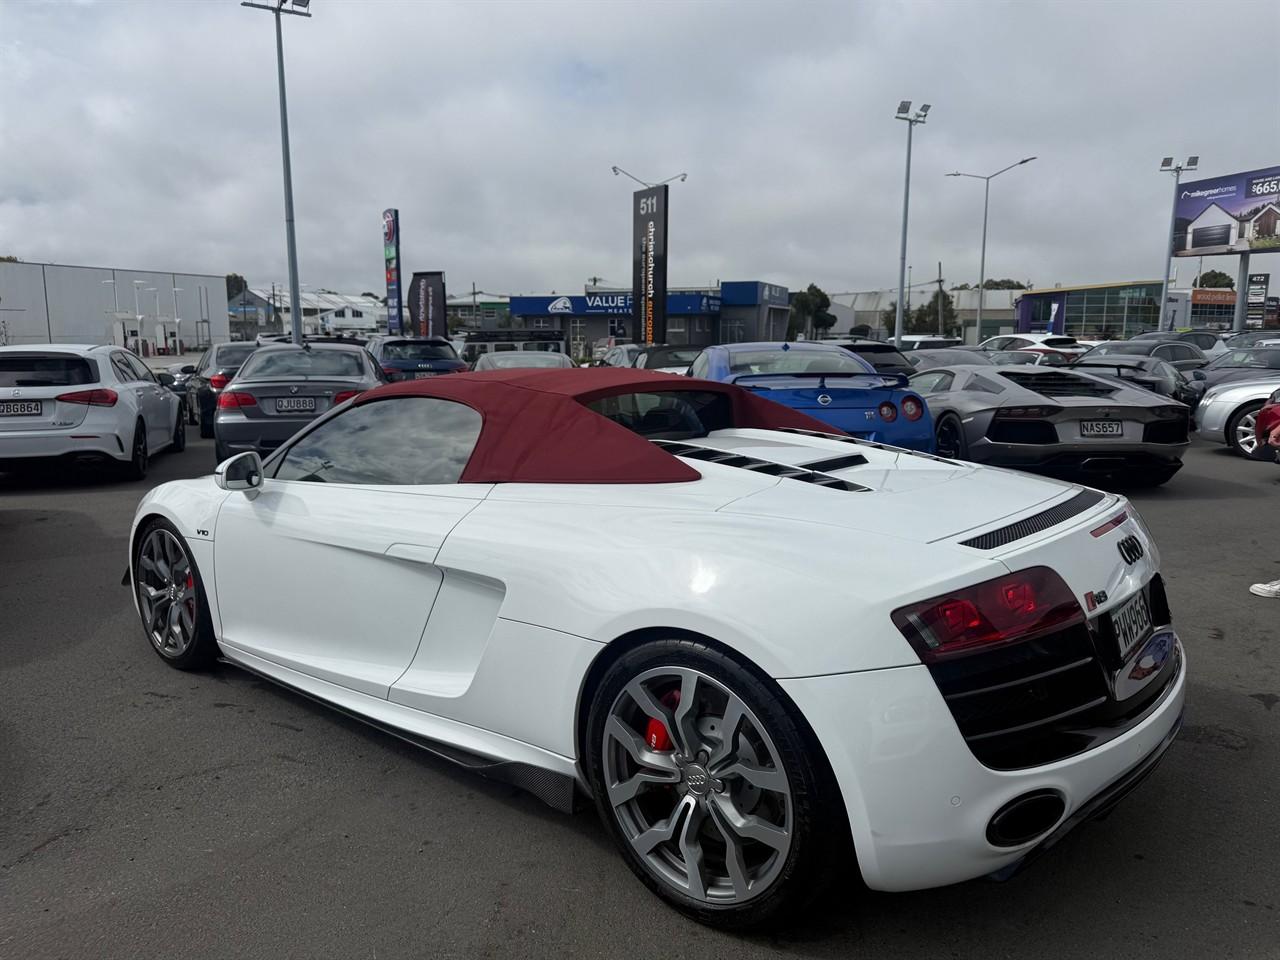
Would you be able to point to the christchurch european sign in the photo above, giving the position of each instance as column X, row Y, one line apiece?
column 1239, row 213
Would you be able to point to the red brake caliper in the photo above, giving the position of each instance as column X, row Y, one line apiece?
column 655, row 733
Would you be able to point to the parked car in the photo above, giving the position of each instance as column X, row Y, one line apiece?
column 1184, row 356
column 283, row 387
column 1064, row 423
column 1228, row 413
column 1150, row 373
column 603, row 345
column 1068, row 346
column 1248, row 338
column 619, row 355
column 1208, row 341
column 181, row 373
column 1268, row 419
column 1249, row 363
column 826, row 382
column 884, row 357
column 948, row 357
column 98, row 406
column 528, row 359
column 771, row 656
column 214, row 370
column 665, row 358
column 414, row 358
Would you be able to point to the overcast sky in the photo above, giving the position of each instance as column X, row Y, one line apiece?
column 145, row 134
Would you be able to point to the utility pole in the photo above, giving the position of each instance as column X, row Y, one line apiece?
column 941, row 329
column 1168, row 166
column 904, row 113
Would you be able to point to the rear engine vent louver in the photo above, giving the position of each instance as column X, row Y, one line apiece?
column 1059, row 384
column 784, row 470
column 1078, row 504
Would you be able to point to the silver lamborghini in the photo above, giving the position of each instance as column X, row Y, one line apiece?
column 1053, row 421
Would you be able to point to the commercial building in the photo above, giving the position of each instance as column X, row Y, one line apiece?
column 267, row 310
column 149, row 311
column 477, row 311
column 1100, row 311
column 729, row 312
column 867, row 309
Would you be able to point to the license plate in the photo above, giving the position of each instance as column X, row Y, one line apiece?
column 1101, row 428
column 295, row 404
column 420, row 375
column 20, row 408
column 1132, row 622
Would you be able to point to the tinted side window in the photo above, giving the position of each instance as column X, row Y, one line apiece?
column 938, row 382
column 700, row 365
column 122, row 368
column 406, row 440
column 140, row 370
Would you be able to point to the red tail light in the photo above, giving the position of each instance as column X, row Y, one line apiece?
column 888, row 412
column 230, row 401
column 345, row 395
column 1017, row 606
column 92, row 398
column 219, row 380
column 912, row 408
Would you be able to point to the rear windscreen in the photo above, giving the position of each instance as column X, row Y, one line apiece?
column 668, row 415
column 45, row 370
column 286, row 364
column 234, row 354
column 417, row 350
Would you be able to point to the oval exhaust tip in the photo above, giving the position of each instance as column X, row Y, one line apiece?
column 1025, row 818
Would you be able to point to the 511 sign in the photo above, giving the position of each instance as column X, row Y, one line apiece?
column 649, row 264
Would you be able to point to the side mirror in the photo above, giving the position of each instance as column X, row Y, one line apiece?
column 1199, row 375
column 189, row 369
column 241, row 472
column 166, row 380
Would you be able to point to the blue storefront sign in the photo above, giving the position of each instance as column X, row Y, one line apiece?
column 751, row 293
column 608, row 304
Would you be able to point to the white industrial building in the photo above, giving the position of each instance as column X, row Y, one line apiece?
column 323, row 312
column 151, row 312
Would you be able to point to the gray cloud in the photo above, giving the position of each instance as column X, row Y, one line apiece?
column 144, row 134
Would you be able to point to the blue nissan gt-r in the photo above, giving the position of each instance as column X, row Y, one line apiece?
column 828, row 383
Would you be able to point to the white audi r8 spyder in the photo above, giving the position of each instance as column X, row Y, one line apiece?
column 770, row 654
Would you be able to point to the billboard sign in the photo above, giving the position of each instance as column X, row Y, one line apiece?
column 391, row 256
column 610, row 304
column 426, row 305
column 1227, row 215
column 649, row 264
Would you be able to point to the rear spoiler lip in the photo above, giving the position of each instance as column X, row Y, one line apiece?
column 891, row 380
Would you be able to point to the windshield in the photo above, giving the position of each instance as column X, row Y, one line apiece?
column 668, row 357
column 503, row 361
column 1250, row 337
column 799, row 362
column 1265, row 358
column 417, row 350
column 291, row 364
column 882, row 356
column 234, row 354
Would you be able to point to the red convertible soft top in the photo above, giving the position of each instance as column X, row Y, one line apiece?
column 538, row 429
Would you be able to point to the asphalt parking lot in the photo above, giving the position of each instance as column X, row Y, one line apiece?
column 150, row 813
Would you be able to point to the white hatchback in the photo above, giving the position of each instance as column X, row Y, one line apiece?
column 85, row 404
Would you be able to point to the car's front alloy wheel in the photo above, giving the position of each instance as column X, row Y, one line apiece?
column 171, row 599
column 715, row 793
column 1242, row 431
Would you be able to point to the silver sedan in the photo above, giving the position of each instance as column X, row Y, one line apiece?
column 1228, row 413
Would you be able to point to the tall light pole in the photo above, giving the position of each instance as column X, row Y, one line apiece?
column 1168, row 166
column 618, row 171
column 115, row 315
column 137, row 310
column 177, row 321
column 904, row 113
column 986, row 199
column 299, row 9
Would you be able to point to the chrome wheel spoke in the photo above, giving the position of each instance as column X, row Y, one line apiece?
column 691, row 850
column 734, row 859
column 729, row 723
column 664, row 831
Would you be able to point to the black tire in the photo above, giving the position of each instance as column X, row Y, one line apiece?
column 180, row 431
column 202, row 649
column 819, row 840
column 206, row 424
column 140, row 457
column 192, row 418
column 949, row 431
column 1248, row 410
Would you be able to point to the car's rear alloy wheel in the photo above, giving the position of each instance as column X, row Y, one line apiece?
column 950, row 439
column 1242, row 431
column 140, row 459
column 180, row 431
column 171, row 598
column 711, row 787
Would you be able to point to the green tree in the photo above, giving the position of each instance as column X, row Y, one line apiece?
column 1215, row 278
column 962, row 286
column 924, row 319
column 1005, row 284
column 810, row 308
column 236, row 285
column 889, row 316
column 10, row 259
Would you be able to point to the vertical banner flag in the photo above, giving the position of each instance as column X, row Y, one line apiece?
column 649, row 265
column 426, row 304
column 391, row 254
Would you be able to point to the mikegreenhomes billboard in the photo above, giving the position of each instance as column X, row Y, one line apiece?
column 1235, row 214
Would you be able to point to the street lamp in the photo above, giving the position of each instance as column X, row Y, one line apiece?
column 986, row 197
column 299, row 9
column 1168, row 166
column 618, row 171
column 904, row 113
